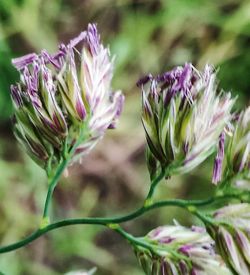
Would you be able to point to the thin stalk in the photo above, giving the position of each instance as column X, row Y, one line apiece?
column 153, row 185
column 165, row 173
column 59, row 170
column 52, row 186
column 46, row 229
column 131, row 239
column 189, row 205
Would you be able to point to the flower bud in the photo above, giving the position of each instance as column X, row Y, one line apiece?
column 180, row 250
column 62, row 95
column 183, row 116
column 231, row 232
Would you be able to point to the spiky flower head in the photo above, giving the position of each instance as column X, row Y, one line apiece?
column 231, row 231
column 183, row 116
column 233, row 158
column 238, row 151
column 180, row 250
column 65, row 100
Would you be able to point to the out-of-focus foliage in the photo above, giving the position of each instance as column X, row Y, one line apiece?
column 146, row 36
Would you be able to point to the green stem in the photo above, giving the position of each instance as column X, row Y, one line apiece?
column 130, row 238
column 189, row 205
column 153, row 185
column 52, row 186
column 46, row 229
column 59, row 170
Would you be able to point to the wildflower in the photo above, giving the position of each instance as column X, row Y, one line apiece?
column 237, row 157
column 183, row 116
column 180, row 250
column 65, row 100
column 231, row 232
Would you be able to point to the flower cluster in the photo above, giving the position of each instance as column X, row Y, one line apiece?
column 180, row 250
column 63, row 106
column 183, row 117
column 63, row 97
column 231, row 231
column 236, row 152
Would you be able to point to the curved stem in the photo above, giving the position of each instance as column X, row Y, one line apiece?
column 59, row 170
column 109, row 221
column 131, row 239
column 46, row 229
column 52, row 186
column 153, row 185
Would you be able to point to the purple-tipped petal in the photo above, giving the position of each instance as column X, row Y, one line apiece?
column 93, row 39
column 22, row 62
column 54, row 60
column 217, row 172
column 81, row 111
column 144, row 80
column 16, row 96
column 78, row 39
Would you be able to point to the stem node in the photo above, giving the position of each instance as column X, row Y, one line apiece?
column 192, row 209
column 148, row 202
column 45, row 222
column 113, row 226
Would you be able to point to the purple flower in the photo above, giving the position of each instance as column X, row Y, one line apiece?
column 231, row 231
column 237, row 152
column 180, row 250
column 60, row 95
column 183, row 116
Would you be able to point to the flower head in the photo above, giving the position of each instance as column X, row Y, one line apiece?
column 232, row 235
column 183, row 116
column 233, row 158
column 180, row 250
column 63, row 96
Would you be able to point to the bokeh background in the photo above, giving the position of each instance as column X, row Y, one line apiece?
column 146, row 36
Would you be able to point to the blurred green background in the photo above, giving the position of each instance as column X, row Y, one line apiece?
column 146, row 36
